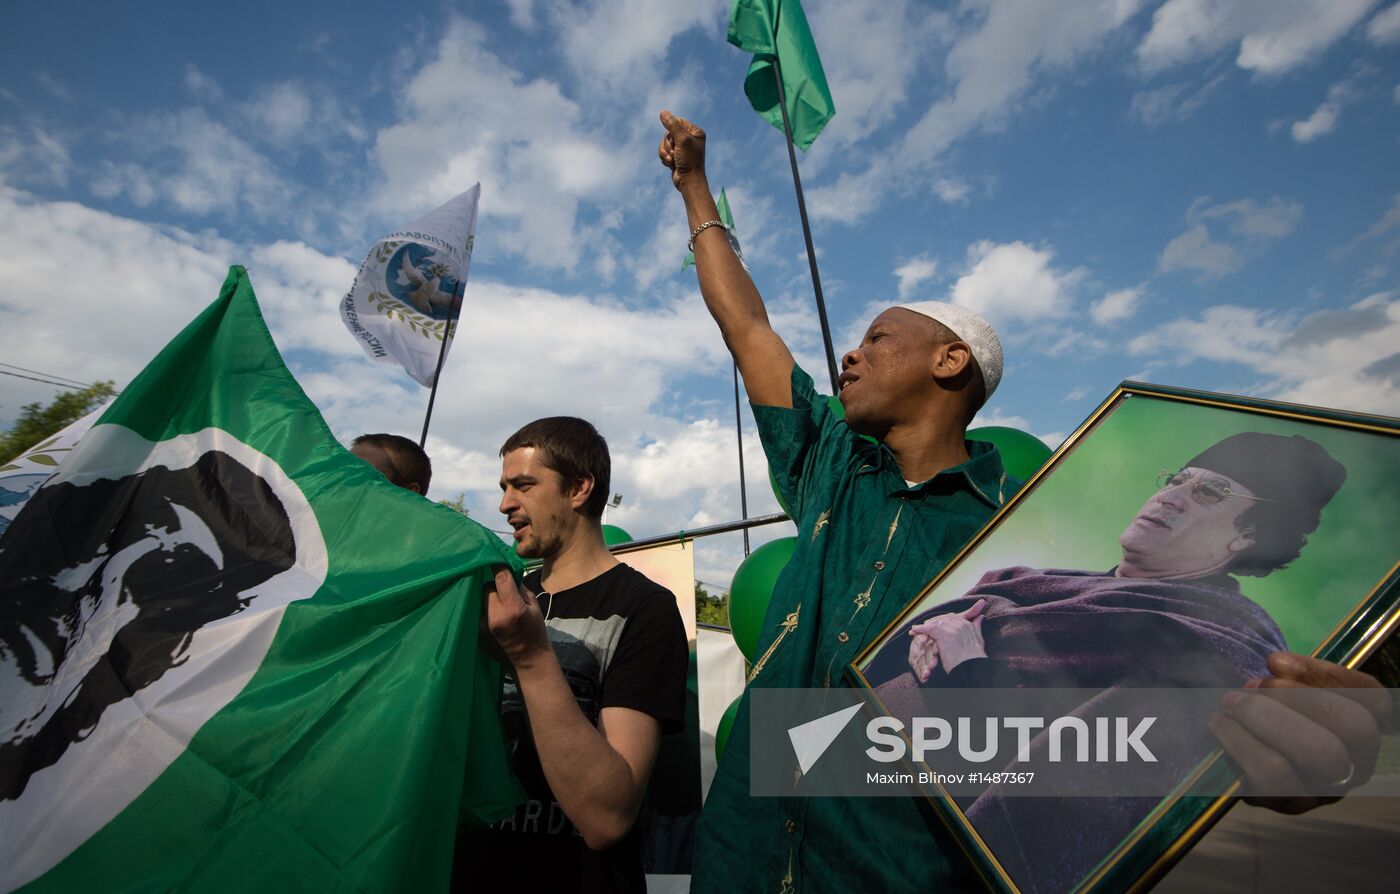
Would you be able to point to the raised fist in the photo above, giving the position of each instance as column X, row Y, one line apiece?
column 682, row 149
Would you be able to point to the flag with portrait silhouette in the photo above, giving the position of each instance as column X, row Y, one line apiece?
column 232, row 655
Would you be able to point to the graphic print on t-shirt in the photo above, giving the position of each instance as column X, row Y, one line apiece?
column 584, row 647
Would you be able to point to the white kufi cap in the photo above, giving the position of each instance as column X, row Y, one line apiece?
column 971, row 328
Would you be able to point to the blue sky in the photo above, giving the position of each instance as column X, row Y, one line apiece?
column 1189, row 192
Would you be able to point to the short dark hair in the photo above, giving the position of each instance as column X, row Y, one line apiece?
column 573, row 448
column 409, row 464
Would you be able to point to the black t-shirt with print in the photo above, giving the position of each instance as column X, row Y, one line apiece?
column 621, row 644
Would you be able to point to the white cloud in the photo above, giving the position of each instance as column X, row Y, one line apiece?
column 620, row 367
column 1251, row 226
column 952, row 190
column 1007, row 50
column 996, row 417
column 1014, row 281
column 688, row 475
column 136, row 286
column 613, row 40
column 1387, row 222
column 1384, row 29
column 1334, row 358
column 300, row 290
column 852, row 196
column 1248, row 219
column 281, row 112
column 1224, row 333
column 522, row 14
column 913, row 273
column 1322, row 121
column 1274, row 36
column 994, row 64
column 35, row 156
column 201, row 86
column 989, row 418
column 1173, row 103
column 1116, row 306
column 875, row 51
column 530, row 146
column 756, row 224
column 53, row 86
column 196, row 165
column 1325, row 117
column 1194, row 250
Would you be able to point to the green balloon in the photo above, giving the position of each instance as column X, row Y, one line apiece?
column 751, row 590
column 1022, row 454
column 726, row 723
column 613, row 535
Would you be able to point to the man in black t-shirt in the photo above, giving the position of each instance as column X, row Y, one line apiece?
column 596, row 669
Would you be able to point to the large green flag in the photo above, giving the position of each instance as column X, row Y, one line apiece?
column 769, row 28
column 232, row 655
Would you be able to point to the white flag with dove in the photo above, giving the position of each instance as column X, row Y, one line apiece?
column 408, row 293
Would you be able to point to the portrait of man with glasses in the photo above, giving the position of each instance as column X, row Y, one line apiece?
column 1242, row 507
column 1170, row 614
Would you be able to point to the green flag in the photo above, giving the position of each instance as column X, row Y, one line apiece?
column 769, row 28
column 232, row 655
column 726, row 218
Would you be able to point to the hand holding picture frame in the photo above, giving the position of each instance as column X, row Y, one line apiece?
column 1176, row 539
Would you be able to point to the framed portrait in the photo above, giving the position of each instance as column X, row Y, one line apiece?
column 1174, row 540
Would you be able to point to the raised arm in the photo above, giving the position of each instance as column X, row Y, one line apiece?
column 764, row 360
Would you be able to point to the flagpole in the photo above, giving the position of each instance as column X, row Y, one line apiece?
column 447, row 331
column 806, row 227
column 739, row 436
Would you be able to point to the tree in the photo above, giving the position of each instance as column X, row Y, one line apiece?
column 458, row 502
column 36, row 422
column 711, row 609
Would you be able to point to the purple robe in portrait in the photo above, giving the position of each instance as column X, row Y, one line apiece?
column 1058, row 629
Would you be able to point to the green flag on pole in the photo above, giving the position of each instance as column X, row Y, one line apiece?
column 769, row 28
column 726, row 218
column 232, row 655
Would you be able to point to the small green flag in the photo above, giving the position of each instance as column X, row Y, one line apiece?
column 769, row 28
column 726, row 218
column 235, row 657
